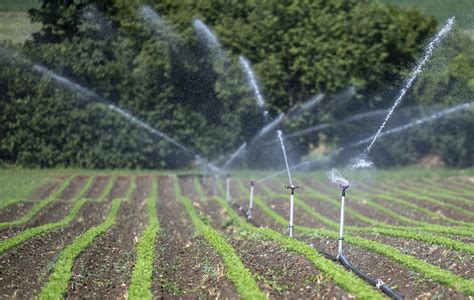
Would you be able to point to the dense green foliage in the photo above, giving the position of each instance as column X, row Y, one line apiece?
column 162, row 74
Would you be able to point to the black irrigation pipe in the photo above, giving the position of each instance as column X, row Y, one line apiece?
column 378, row 283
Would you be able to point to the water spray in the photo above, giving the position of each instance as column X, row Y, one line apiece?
column 250, row 75
column 406, row 87
column 252, row 188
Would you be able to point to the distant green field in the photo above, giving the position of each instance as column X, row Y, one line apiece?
column 17, row 5
column 16, row 27
column 463, row 10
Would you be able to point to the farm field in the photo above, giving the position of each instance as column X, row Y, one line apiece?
column 126, row 234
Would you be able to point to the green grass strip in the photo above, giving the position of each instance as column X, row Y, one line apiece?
column 107, row 189
column 131, row 188
column 56, row 287
column 425, row 269
column 140, row 287
column 434, row 215
column 235, row 269
column 30, row 232
column 435, row 191
column 456, row 187
column 405, row 192
column 54, row 195
column 43, row 203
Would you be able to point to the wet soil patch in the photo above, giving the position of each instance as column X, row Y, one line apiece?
column 50, row 214
column 97, row 187
column 104, row 269
column 454, row 261
column 73, row 188
column 25, row 269
column 186, row 266
column 15, row 211
column 119, row 188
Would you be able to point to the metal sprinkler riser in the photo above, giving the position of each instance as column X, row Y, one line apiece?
column 252, row 187
column 292, row 205
column 227, row 187
column 340, row 249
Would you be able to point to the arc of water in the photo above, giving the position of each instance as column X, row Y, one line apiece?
column 250, row 75
column 280, row 136
column 206, row 33
column 432, row 117
column 428, row 53
column 234, row 156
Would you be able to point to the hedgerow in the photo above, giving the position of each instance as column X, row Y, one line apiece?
column 56, row 286
column 140, row 287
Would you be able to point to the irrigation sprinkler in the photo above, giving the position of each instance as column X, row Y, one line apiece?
column 378, row 283
column 227, row 187
column 343, row 187
column 292, row 204
column 252, row 187
column 214, row 185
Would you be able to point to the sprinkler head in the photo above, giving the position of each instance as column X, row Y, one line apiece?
column 344, row 186
column 292, row 188
column 227, row 175
column 252, row 182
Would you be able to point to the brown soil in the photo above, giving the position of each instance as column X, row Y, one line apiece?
column 44, row 191
column 362, row 209
column 50, row 214
column 104, row 269
column 73, row 188
column 432, row 194
column 185, row 265
column 408, row 283
column 292, row 276
column 25, row 269
column 119, row 188
column 15, row 211
column 454, row 215
column 451, row 260
column 97, row 187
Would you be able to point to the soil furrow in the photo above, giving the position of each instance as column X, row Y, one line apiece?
column 73, row 188
column 24, row 270
column 97, row 187
column 185, row 266
column 104, row 269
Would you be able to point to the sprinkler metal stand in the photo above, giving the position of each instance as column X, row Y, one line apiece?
column 249, row 212
column 214, row 185
column 343, row 187
column 292, row 199
column 227, row 187
column 378, row 283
